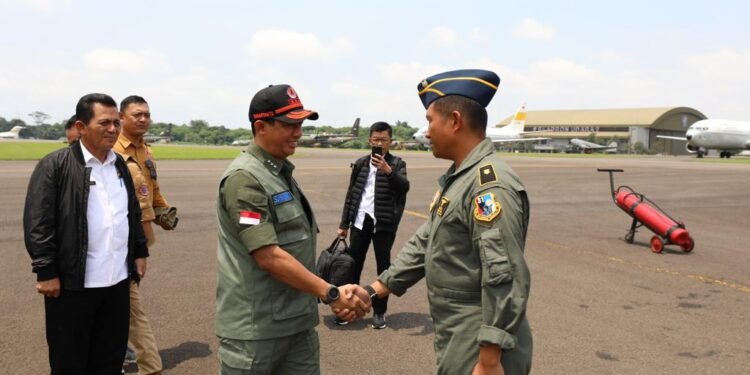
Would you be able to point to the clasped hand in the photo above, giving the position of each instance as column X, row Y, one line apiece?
column 353, row 303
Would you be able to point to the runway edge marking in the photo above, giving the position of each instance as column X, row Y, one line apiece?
column 703, row 279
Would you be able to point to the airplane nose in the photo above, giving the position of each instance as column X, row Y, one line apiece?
column 689, row 137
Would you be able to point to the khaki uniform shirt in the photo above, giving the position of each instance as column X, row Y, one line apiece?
column 259, row 204
column 470, row 252
column 140, row 161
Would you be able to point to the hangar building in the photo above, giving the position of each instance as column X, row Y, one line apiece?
column 626, row 126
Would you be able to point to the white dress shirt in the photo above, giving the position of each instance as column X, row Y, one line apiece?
column 108, row 228
column 367, row 204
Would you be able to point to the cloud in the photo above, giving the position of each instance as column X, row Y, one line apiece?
column 44, row 6
column 290, row 44
column 531, row 29
column 443, row 37
column 476, row 35
column 716, row 83
column 147, row 60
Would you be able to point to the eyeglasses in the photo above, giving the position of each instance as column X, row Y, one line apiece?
column 380, row 140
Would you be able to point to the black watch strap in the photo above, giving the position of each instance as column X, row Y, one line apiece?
column 371, row 292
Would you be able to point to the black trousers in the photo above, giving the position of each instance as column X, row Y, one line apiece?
column 87, row 330
column 359, row 242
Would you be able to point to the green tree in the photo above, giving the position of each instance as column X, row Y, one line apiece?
column 39, row 117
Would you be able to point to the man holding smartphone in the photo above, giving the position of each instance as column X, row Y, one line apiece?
column 373, row 208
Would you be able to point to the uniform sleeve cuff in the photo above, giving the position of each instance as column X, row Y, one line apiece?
column 391, row 284
column 147, row 213
column 496, row 336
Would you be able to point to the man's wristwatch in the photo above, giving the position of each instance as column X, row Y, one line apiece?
column 371, row 292
column 332, row 294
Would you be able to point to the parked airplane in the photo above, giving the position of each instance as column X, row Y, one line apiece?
column 729, row 137
column 327, row 140
column 512, row 132
column 588, row 147
column 12, row 133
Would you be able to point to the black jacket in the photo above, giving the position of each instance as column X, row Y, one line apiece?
column 390, row 193
column 55, row 223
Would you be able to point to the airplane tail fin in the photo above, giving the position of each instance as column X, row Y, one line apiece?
column 519, row 120
column 612, row 145
column 16, row 129
column 355, row 128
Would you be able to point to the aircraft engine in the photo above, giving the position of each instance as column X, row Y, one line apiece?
column 690, row 148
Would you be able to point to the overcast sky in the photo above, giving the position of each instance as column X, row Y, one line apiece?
column 347, row 59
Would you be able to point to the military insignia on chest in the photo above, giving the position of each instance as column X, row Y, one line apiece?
column 282, row 197
column 486, row 207
column 487, row 175
column 434, row 200
column 442, row 206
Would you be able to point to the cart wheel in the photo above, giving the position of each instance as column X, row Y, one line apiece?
column 629, row 237
column 657, row 245
column 689, row 246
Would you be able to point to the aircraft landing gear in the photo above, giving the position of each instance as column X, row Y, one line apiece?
column 700, row 153
column 725, row 154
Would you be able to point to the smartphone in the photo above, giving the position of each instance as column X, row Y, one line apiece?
column 377, row 150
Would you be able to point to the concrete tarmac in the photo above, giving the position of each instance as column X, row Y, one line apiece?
column 598, row 305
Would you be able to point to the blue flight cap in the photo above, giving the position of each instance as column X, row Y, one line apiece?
column 476, row 84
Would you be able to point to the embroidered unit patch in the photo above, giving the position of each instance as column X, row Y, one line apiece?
column 486, row 207
column 143, row 190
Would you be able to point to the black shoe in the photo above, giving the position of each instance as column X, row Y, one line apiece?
column 129, row 356
column 378, row 321
column 341, row 322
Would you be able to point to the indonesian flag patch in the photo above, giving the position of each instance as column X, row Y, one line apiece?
column 249, row 217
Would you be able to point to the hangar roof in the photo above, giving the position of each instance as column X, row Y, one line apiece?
column 644, row 117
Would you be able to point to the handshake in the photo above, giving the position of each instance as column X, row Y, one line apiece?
column 353, row 302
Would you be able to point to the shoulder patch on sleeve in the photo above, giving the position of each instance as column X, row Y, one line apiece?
column 486, row 207
column 487, row 175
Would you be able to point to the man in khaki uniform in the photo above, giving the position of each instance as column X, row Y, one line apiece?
column 136, row 119
column 266, row 309
column 470, row 251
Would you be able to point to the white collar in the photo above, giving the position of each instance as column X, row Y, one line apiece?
column 88, row 156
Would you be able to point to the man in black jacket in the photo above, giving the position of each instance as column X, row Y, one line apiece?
column 82, row 230
column 373, row 208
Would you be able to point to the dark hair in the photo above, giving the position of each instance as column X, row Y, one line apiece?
column 472, row 112
column 132, row 99
column 84, row 108
column 380, row 126
column 71, row 122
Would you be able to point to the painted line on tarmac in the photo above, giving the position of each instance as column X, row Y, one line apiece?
column 703, row 279
column 417, row 214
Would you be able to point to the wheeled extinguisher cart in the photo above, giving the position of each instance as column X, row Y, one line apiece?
column 645, row 212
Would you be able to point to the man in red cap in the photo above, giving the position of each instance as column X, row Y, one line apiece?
column 266, row 309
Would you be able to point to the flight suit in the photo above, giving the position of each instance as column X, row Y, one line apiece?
column 140, row 162
column 470, row 251
column 264, row 326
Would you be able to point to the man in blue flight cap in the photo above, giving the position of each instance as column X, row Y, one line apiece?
column 471, row 250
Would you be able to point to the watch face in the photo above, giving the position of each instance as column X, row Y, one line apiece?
column 333, row 294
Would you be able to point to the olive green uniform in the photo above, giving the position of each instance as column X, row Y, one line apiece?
column 264, row 326
column 471, row 253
